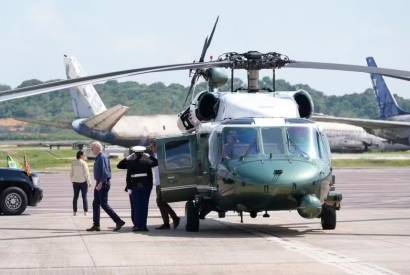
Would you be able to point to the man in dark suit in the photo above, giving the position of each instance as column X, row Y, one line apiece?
column 102, row 176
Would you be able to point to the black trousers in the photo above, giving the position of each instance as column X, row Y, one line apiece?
column 165, row 209
column 101, row 200
column 77, row 187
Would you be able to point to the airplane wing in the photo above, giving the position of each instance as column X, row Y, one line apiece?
column 55, row 124
column 106, row 120
column 365, row 123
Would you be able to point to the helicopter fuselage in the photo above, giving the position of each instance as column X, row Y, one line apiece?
column 249, row 165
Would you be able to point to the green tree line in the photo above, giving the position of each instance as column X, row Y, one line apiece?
column 144, row 99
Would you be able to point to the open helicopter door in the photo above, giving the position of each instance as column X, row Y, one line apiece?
column 178, row 166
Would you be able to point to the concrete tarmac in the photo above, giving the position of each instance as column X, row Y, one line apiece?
column 372, row 235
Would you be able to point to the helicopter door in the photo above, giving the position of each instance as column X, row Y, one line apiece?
column 178, row 167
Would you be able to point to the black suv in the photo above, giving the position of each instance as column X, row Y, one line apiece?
column 17, row 190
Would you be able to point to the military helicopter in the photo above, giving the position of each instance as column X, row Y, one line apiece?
column 251, row 149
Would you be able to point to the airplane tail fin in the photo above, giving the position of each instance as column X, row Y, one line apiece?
column 386, row 102
column 106, row 120
column 86, row 101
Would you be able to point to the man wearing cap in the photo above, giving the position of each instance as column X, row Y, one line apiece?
column 139, row 184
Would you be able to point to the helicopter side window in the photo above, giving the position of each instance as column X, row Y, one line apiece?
column 239, row 142
column 273, row 141
column 326, row 146
column 178, row 155
column 215, row 146
column 319, row 146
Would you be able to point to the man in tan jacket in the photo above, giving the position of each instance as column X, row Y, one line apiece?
column 80, row 177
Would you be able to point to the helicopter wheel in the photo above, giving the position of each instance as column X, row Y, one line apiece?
column 328, row 217
column 192, row 216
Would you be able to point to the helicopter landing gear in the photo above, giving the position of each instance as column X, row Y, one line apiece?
column 192, row 216
column 328, row 217
column 253, row 214
column 266, row 215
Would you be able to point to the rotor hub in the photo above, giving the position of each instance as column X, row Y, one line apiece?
column 254, row 60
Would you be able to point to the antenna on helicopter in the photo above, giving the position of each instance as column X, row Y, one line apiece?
column 201, row 72
column 232, row 75
column 273, row 80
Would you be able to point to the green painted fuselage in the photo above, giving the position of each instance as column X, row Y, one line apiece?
column 263, row 168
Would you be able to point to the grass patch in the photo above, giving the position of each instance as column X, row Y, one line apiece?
column 42, row 159
column 363, row 163
column 39, row 159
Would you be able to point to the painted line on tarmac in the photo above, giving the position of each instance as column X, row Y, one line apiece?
column 324, row 256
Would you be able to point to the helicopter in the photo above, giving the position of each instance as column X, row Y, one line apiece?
column 249, row 150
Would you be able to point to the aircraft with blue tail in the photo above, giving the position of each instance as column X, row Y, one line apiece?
column 393, row 123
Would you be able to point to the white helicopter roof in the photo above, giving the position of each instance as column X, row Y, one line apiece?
column 239, row 105
column 256, row 122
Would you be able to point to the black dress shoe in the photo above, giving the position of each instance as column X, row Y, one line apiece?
column 93, row 228
column 141, row 230
column 176, row 222
column 134, row 229
column 163, row 227
column 118, row 226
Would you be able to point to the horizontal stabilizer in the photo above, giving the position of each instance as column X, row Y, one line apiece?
column 55, row 124
column 106, row 120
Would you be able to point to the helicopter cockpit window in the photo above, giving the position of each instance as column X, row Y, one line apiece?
column 273, row 141
column 239, row 142
column 178, row 155
column 302, row 142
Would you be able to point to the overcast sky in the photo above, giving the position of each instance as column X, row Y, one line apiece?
column 114, row 35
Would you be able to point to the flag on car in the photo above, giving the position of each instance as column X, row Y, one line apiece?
column 11, row 163
column 27, row 166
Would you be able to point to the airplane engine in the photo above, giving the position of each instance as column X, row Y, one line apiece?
column 305, row 103
column 203, row 108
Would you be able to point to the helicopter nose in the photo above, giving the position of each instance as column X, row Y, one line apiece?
column 277, row 172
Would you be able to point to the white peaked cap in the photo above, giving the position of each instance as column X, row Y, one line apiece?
column 137, row 149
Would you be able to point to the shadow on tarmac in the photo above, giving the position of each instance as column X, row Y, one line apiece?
column 211, row 228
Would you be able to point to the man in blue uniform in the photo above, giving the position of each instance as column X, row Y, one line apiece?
column 102, row 176
column 139, row 184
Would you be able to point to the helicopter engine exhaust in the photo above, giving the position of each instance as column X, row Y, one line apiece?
column 203, row 108
column 304, row 102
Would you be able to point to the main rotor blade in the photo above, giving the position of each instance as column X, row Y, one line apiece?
column 208, row 41
column 92, row 79
column 400, row 74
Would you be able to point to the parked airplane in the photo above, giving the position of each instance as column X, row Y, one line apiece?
column 394, row 122
column 111, row 125
column 345, row 138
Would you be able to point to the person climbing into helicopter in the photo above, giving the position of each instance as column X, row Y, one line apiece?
column 231, row 140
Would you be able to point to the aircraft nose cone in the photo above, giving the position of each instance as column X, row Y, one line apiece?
column 277, row 172
column 76, row 124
